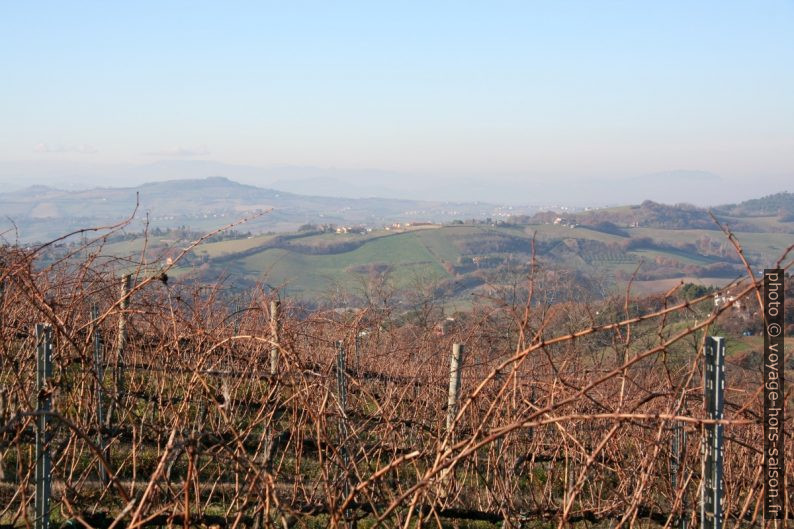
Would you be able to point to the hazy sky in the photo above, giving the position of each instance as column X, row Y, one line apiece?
column 532, row 88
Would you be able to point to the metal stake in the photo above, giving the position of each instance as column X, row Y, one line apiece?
column 275, row 331
column 99, row 366
column 43, row 463
column 714, row 383
column 341, row 391
column 677, row 455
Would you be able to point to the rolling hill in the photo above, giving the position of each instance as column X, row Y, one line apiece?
column 315, row 246
column 40, row 213
column 457, row 260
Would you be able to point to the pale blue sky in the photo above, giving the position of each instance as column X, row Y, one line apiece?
column 537, row 89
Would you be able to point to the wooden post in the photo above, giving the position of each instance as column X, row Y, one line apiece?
column 99, row 366
column 570, row 477
column 454, row 384
column 43, row 463
column 236, row 314
column 455, row 364
column 356, row 349
column 275, row 331
column 126, row 282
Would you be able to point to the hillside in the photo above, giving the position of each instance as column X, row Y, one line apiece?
column 779, row 204
column 459, row 260
column 41, row 213
column 774, row 213
column 313, row 246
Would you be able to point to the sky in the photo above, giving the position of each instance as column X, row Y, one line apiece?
column 483, row 93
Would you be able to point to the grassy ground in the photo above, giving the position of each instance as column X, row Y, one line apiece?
column 552, row 232
column 216, row 249
column 424, row 253
column 409, row 257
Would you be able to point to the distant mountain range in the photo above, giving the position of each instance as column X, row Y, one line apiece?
column 779, row 204
column 772, row 213
column 41, row 212
column 697, row 187
column 468, row 248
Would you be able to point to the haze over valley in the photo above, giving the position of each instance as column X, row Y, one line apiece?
column 381, row 265
column 313, row 246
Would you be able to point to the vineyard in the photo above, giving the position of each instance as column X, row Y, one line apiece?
column 166, row 405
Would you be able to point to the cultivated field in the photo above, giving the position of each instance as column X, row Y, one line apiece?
column 317, row 265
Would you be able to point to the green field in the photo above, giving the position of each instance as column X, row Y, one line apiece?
column 321, row 263
column 406, row 253
column 217, row 249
